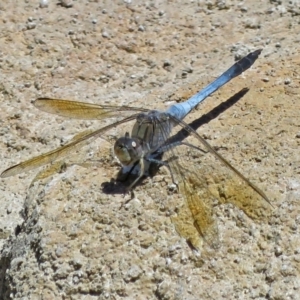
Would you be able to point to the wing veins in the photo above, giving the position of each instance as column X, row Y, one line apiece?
column 201, row 211
column 51, row 156
column 81, row 110
column 190, row 130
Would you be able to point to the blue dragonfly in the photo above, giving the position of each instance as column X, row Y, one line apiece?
column 151, row 140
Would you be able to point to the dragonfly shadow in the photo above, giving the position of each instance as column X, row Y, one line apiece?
column 122, row 182
column 205, row 119
column 114, row 186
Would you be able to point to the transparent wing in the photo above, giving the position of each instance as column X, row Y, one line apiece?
column 73, row 109
column 81, row 110
column 210, row 149
column 206, row 180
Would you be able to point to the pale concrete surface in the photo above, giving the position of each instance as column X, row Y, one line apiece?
column 76, row 242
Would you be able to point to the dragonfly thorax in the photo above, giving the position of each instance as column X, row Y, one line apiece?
column 128, row 150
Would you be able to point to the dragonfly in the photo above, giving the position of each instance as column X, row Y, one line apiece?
column 150, row 140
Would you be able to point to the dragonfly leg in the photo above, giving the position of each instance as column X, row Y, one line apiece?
column 157, row 161
column 165, row 163
column 131, row 197
column 140, row 175
column 123, row 176
column 168, row 147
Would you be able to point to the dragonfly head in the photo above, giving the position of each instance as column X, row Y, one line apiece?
column 128, row 150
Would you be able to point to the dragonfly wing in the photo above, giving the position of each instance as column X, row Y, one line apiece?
column 200, row 201
column 53, row 155
column 210, row 149
column 81, row 110
column 195, row 218
column 206, row 179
